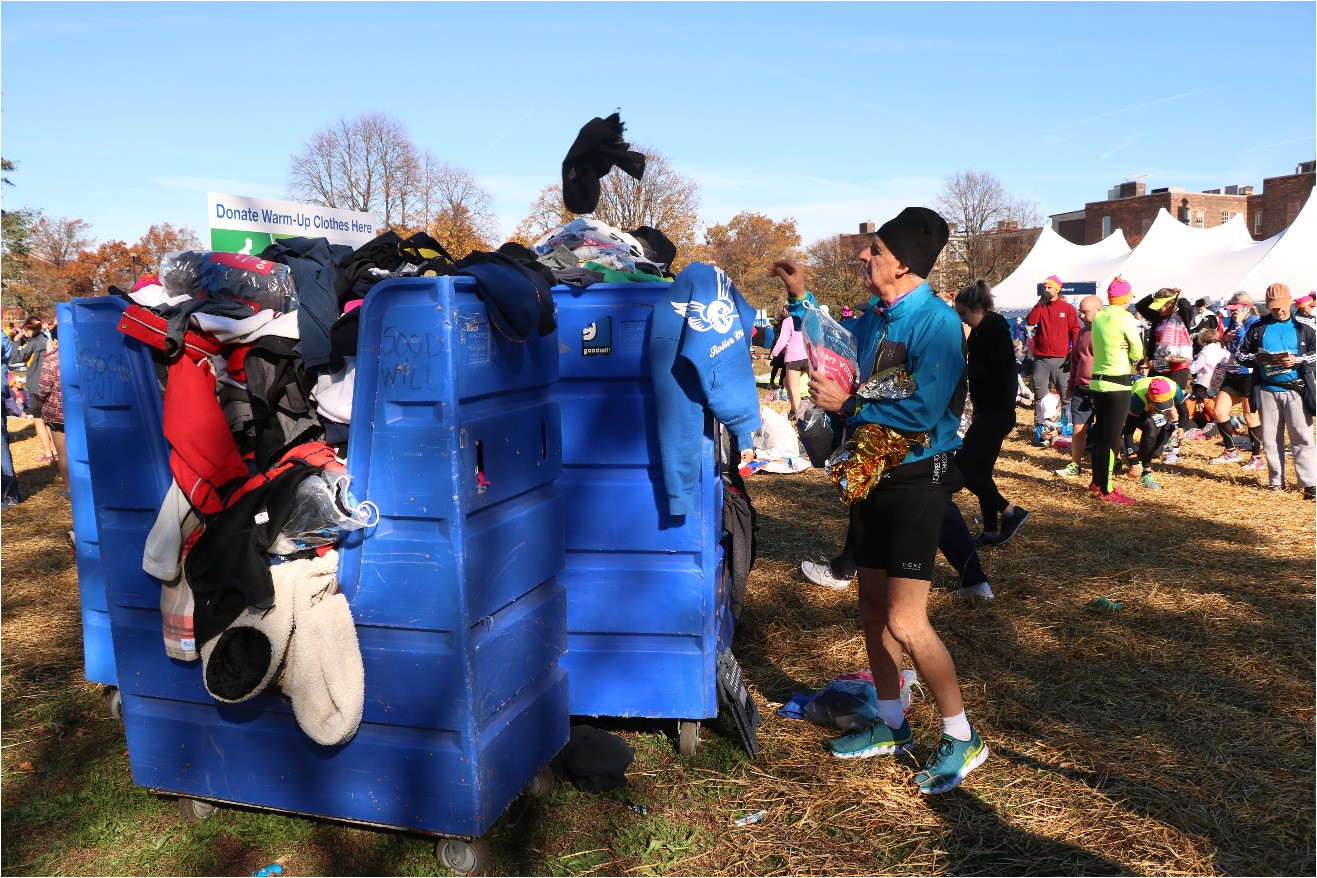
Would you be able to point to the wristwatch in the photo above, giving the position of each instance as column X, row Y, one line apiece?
column 850, row 405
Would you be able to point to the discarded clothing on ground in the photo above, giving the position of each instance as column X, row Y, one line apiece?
column 594, row 761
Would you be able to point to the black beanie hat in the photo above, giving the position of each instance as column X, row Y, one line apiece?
column 915, row 236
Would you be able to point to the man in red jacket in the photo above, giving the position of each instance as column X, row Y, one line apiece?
column 1053, row 326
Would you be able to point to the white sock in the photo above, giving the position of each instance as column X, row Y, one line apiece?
column 891, row 713
column 956, row 726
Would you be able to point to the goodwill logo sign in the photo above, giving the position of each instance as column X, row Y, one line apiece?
column 239, row 224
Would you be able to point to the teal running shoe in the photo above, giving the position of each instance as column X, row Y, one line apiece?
column 951, row 764
column 1149, row 482
column 875, row 739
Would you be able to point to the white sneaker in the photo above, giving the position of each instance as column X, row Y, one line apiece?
column 821, row 574
column 975, row 594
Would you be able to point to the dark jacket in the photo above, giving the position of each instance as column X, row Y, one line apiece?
column 1306, row 358
column 990, row 365
column 36, row 349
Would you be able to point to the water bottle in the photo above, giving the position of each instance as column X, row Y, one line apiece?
column 909, row 679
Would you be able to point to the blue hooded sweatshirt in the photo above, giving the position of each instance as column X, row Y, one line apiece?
column 699, row 356
column 922, row 333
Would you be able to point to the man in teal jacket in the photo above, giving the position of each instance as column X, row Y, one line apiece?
column 900, row 519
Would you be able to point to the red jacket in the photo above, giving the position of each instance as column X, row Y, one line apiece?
column 203, row 457
column 1057, row 327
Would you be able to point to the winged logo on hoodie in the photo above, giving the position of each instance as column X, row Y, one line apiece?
column 719, row 315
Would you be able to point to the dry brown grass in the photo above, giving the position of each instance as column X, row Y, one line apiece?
column 1175, row 737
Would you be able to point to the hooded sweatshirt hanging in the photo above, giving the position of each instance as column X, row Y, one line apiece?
column 598, row 147
column 699, row 358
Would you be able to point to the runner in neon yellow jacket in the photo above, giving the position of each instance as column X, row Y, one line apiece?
column 1117, row 345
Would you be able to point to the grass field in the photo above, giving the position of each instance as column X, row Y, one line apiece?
column 1175, row 737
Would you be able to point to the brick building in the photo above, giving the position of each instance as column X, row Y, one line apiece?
column 1130, row 207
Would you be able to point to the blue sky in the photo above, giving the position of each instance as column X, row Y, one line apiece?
column 831, row 113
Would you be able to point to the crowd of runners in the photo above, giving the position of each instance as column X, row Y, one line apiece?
column 1126, row 385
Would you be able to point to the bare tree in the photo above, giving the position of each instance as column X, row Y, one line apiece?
column 665, row 199
column 451, row 205
column 986, row 219
column 368, row 163
column 57, row 242
column 834, row 269
column 546, row 212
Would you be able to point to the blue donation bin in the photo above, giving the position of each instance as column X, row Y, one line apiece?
column 647, row 598
column 97, row 647
column 459, row 616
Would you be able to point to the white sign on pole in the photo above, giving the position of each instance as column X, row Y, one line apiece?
column 239, row 224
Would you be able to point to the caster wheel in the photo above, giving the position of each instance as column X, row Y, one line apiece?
column 114, row 704
column 194, row 811
column 541, row 785
column 688, row 737
column 463, row 857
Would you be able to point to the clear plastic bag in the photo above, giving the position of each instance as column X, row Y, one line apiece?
column 843, row 704
column 831, row 349
column 324, row 511
column 231, row 275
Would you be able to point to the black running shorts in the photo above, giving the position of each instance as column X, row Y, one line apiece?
column 898, row 531
column 1238, row 384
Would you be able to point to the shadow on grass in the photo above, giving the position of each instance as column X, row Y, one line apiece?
column 981, row 843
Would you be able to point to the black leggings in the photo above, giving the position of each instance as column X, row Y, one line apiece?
column 1151, row 440
column 1110, row 409
column 977, row 458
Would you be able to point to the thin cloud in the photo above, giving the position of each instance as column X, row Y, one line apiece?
column 1277, row 143
column 1118, row 147
column 1131, row 109
column 515, row 126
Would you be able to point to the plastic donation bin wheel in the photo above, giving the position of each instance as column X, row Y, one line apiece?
column 194, row 811
column 541, row 785
column 688, row 736
column 463, row 857
column 114, row 703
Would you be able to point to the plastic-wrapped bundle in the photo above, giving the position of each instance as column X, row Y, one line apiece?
column 893, row 383
column 843, row 704
column 831, row 349
column 590, row 240
column 232, row 275
column 324, row 511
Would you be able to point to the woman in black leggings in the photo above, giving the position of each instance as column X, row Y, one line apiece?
column 990, row 368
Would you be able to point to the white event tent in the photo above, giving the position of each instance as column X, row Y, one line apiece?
column 1054, row 255
column 1204, row 263
column 1292, row 259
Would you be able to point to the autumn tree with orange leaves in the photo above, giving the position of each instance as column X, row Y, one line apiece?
column 746, row 246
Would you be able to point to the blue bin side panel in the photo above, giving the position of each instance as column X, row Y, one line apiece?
column 646, row 610
column 460, row 446
column 127, row 457
column 464, row 699
column 97, row 644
